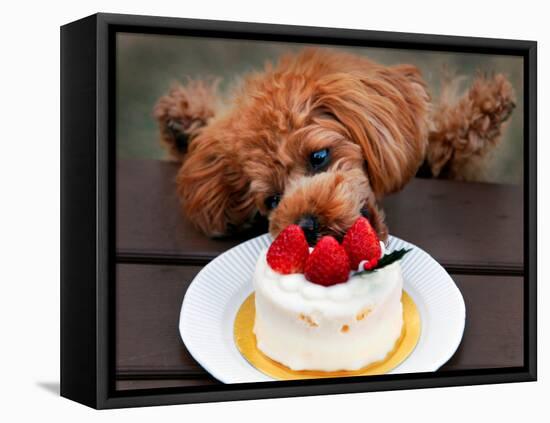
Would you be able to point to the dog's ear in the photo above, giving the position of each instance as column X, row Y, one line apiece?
column 183, row 113
column 385, row 111
column 213, row 189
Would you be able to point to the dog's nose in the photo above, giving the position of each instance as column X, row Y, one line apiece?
column 310, row 226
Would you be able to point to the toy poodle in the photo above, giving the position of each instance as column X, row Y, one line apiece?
column 319, row 139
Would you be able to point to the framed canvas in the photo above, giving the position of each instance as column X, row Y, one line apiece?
column 259, row 211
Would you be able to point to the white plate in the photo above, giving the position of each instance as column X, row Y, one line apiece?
column 215, row 295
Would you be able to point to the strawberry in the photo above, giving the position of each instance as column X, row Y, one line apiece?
column 361, row 243
column 328, row 264
column 289, row 252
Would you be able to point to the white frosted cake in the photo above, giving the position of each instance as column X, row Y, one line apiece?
column 346, row 326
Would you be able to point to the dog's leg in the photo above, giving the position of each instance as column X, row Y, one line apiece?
column 464, row 130
column 183, row 112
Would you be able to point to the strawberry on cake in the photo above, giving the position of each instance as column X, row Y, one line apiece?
column 336, row 307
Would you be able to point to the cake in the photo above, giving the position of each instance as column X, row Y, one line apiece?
column 306, row 321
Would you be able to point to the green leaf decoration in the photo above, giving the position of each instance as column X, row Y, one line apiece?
column 386, row 260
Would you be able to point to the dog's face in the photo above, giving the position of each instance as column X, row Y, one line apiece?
column 315, row 177
column 316, row 141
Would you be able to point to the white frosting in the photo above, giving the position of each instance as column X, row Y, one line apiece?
column 347, row 326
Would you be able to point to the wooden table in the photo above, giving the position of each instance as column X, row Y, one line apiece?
column 474, row 230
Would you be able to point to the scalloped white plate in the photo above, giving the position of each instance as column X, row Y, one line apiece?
column 215, row 295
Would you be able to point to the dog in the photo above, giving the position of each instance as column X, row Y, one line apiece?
column 319, row 139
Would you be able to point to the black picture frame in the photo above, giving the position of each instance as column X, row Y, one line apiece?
column 88, row 209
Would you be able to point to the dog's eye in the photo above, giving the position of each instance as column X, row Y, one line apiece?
column 318, row 160
column 272, row 201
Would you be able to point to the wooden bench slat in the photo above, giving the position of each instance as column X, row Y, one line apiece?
column 148, row 303
column 126, row 385
column 467, row 227
column 464, row 226
column 149, row 299
column 493, row 334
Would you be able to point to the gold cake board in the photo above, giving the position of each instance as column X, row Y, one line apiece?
column 246, row 343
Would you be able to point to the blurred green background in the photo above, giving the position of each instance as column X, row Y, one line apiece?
column 147, row 65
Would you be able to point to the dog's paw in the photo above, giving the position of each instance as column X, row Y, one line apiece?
column 467, row 129
column 492, row 102
column 182, row 113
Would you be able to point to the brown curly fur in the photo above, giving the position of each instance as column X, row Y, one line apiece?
column 377, row 121
column 466, row 129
